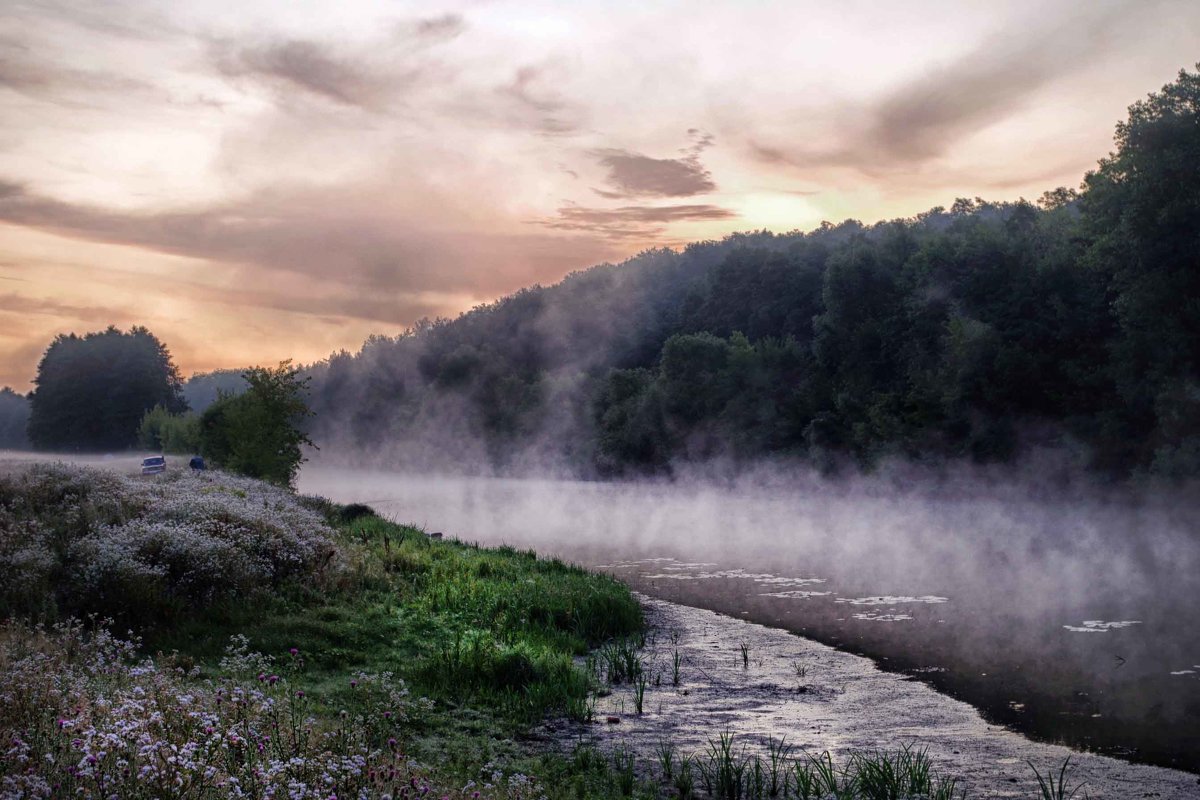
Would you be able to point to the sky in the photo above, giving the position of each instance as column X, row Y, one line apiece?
column 259, row 180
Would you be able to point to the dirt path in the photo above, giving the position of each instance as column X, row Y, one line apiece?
column 822, row 699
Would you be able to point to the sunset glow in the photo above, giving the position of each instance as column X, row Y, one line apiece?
column 257, row 181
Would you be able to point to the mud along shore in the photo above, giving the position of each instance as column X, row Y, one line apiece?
column 823, row 699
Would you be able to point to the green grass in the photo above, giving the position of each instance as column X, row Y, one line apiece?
column 489, row 635
column 1049, row 788
column 728, row 772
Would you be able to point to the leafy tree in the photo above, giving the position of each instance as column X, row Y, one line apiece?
column 204, row 388
column 629, row 425
column 170, row 433
column 1141, row 207
column 93, row 390
column 259, row 433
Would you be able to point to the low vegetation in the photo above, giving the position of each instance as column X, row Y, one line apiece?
column 285, row 644
column 84, row 715
column 281, row 646
column 78, row 541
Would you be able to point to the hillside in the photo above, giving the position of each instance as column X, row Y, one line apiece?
column 978, row 331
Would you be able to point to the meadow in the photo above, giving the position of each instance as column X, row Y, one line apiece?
column 276, row 645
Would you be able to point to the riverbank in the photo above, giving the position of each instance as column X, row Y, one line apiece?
column 821, row 699
column 279, row 642
column 247, row 590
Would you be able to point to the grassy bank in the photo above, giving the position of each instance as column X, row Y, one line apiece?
column 425, row 660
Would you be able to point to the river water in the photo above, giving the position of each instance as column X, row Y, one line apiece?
column 1072, row 619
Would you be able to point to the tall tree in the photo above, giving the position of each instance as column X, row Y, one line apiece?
column 93, row 390
column 259, row 433
column 1141, row 206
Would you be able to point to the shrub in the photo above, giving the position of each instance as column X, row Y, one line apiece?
column 79, row 541
column 169, row 433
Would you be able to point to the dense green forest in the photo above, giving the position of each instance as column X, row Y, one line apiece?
column 976, row 331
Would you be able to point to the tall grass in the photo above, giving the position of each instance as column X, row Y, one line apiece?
column 1049, row 788
column 639, row 692
column 620, row 660
column 723, row 772
column 778, row 754
column 727, row 772
column 902, row 773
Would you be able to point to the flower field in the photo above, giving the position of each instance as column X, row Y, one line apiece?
column 82, row 715
column 78, row 541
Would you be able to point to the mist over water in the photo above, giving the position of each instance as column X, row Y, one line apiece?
column 1066, row 612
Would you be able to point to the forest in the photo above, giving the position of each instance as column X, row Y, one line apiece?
column 977, row 331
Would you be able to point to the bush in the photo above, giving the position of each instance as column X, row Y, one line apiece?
column 165, row 432
column 79, row 541
column 355, row 511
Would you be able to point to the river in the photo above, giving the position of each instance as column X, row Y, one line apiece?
column 1065, row 615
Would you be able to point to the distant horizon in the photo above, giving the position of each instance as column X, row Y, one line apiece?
column 256, row 181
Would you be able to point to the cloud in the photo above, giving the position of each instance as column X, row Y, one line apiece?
column 348, row 232
column 635, row 175
column 305, row 65
column 436, row 29
column 547, row 108
column 367, row 76
column 631, row 222
column 25, row 73
column 130, row 21
column 42, row 306
column 924, row 118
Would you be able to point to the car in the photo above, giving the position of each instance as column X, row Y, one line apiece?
column 154, row 465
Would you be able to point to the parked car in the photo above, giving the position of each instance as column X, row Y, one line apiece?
column 154, row 465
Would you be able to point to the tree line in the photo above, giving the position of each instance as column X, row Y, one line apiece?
column 977, row 331
column 112, row 390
